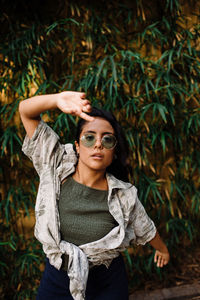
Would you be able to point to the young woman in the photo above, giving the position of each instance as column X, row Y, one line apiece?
column 86, row 211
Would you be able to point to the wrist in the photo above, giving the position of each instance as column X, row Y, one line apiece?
column 158, row 244
column 163, row 249
column 55, row 99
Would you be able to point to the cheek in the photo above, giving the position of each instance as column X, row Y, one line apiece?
column 110, row 156
column 83, row 152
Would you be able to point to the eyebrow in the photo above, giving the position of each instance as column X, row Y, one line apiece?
column 90, row 131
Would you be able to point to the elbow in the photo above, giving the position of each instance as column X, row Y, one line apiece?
column 21, row 108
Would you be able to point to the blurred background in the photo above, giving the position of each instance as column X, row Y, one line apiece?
column 139, row 59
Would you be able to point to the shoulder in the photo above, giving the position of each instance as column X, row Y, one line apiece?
column 124, row 192
column 44, row 130
column 69, row 148
column 122, row 187
column 69, row 151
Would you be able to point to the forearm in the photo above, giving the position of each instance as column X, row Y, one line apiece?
column 32, row 108
column 68, row 102
column 158, row 244
column 161, row 257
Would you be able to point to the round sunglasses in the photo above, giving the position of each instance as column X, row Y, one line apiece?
column 108, row 141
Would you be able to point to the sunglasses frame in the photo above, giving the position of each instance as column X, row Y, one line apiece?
column 95, row 139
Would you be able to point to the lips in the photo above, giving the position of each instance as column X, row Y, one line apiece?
column 97, row 155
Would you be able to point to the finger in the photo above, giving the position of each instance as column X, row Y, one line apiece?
column 162, row 262
column 86, row 117
column 87, row 108
column 85, row 102
column 159, row 261
column 165, row 262
column 82, row 95
column 155, row 257
column 75, row 111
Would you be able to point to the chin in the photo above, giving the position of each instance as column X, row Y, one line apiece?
column 98, row 168
column 95, row 165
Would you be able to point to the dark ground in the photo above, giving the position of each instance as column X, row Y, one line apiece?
column 186, row 272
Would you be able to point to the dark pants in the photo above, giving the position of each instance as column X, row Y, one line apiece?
column 102, row 284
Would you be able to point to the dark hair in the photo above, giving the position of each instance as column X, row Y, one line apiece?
column 119, row 165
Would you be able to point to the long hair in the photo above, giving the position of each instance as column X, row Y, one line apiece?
column 119, row 166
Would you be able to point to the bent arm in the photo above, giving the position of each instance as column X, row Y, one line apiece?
column 162, row 254
column 68, row 102
column 30, row 110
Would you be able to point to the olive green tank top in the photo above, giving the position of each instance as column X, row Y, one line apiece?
column 84, row 213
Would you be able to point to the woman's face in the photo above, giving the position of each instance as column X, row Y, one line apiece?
column 96, row 157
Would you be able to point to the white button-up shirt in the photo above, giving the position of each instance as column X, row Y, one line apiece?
column 53, row 162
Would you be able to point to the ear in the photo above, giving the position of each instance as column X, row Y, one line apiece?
column 77, row 147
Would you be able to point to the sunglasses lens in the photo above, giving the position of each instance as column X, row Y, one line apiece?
column 109, row 141
column 88, row 140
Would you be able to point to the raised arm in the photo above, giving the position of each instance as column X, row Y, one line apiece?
column 73, row 103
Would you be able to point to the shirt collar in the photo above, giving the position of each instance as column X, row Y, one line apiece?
column 114, row 183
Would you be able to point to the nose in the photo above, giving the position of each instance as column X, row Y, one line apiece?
column 98, row 143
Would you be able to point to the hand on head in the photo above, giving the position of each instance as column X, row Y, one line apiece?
column 74, row 103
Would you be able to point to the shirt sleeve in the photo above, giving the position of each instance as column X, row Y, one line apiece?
column 143, row 227
column 43, row 148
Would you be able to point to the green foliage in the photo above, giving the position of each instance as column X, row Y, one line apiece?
column 143, row 65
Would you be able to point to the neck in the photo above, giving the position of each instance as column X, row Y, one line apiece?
column 92, row 178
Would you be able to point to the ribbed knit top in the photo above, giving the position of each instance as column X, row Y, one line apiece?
column 84, row 213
